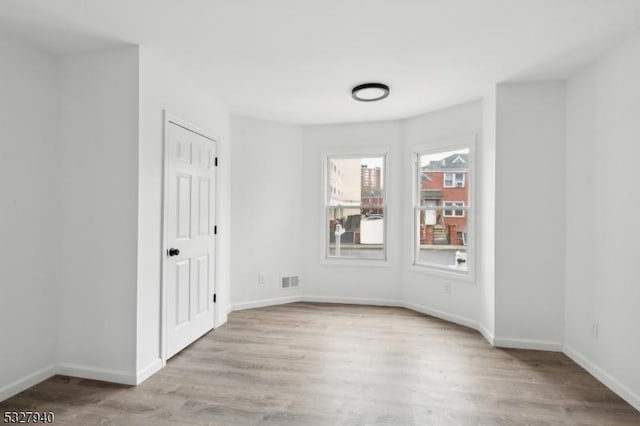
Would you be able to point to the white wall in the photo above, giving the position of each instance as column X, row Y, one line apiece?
column 529, row 218
column 426, row 290
column 266, row 209
column 164, row 85
column 486, row 225
column 345, row 282
column 82, row 226
column 602, row 268
column 27, row 216
column 262, row 148
column 97, row 162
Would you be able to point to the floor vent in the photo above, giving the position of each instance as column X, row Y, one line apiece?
column 290, row 282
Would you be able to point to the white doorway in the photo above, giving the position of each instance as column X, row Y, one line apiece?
column 189, row 235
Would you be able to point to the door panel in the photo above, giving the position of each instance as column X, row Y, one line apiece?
column 204, row 224
column 184, row 152
column 203, row 284
column 190, row 210
column 183, row 279
column 183, row 207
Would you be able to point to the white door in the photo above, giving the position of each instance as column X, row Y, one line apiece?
column 430, row 215
column 190, row 251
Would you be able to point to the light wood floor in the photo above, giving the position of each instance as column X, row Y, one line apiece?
column 319, row 364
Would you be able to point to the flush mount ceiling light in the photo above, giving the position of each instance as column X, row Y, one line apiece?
column 370, row 92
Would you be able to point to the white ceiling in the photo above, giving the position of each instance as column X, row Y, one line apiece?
column 296, row 60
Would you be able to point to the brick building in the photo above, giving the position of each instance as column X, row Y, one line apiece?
column 444, row 186
column 372, row 202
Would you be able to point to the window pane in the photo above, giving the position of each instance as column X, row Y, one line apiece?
column 355, row 181
column 360, row 232
column 441, row 228
column 440, row 243
column 448, row 179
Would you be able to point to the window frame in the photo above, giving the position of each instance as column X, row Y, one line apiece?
column 452, row 207
column 325, row 258
column 435, row 147
column 444, row 179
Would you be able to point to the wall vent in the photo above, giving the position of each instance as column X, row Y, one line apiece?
column 292, row 281
column 286, row 282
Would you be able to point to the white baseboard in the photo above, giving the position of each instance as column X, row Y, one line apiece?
column 149, row 370
column 353, row 300
column 67, row 370
column 502, row 342
column 265, row 302
column 85, row 372
column 442, row 315
column 486, row 334
column 536, row 345
column 621, row 390
column 26, row 382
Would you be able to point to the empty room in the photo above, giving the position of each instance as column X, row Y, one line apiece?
column 337, row 212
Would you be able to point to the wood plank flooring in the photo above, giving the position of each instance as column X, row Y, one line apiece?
column 320, row 364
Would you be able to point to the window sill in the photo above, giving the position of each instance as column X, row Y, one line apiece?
column 443, row 272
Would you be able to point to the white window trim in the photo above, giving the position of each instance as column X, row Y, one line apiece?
column 453, row 207
column 468, row 141
column 324, row 206
column 444, row 179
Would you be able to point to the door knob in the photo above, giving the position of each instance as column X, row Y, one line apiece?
column 174, row 252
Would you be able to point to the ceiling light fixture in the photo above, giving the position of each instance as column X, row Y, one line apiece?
column 370, row 92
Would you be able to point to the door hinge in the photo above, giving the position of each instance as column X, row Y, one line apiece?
column 215, row 162
column 215, row 230
column 214, row 298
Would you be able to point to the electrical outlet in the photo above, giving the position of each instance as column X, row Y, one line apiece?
column 595, row 330
column 261, row 278
column 447, row 288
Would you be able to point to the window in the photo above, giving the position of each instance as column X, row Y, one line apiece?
column 442, row 208
column 453, row 209
column 354, row 222
column 453, row 179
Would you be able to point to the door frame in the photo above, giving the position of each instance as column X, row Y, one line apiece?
column 169, row 118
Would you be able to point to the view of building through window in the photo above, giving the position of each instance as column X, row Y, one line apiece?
column 442, row 205
column 355, row 207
